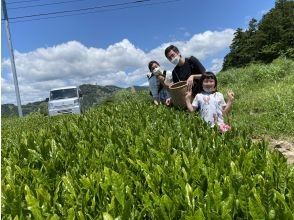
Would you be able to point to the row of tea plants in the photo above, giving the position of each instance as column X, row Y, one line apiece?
column 133, row 160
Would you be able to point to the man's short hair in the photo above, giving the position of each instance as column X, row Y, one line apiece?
column 169, row 48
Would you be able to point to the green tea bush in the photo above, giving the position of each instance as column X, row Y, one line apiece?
column 134, row 160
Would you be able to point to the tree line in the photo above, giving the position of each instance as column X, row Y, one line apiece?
column 92, row 95
column 264, row 41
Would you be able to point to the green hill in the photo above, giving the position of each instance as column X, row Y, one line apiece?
column 130, row 159
column 92, row 95
column 95, row 94
column 264, row 98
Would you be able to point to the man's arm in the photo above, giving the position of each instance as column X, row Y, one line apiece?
column 197, row 69
column 196, row 76
column 188, row 98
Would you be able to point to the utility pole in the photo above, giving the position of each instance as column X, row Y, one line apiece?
column 11, row 57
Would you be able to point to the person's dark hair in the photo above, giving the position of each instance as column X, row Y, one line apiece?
column 169, row 48
column 208, row 75
column 151, row 63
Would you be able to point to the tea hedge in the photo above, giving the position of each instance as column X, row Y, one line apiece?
column 133, row 160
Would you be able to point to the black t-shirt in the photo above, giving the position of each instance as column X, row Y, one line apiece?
column 192, row 66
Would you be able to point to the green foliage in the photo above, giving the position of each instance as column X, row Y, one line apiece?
column 133, row 160
column 271, row 37
column 264, row 97
column 8, row 110
column 95, row 94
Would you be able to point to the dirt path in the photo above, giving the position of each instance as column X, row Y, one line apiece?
column 285, row 147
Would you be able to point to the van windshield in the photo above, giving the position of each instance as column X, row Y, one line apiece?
column 63, row 94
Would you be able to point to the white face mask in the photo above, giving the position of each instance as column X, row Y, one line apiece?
column 157, row 71
column 176, row 60
column 208, row 89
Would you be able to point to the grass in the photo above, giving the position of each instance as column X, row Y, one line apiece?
column 264, row 103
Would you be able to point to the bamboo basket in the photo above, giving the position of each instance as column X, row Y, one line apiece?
column 178, row 92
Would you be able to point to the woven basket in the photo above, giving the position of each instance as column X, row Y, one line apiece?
column 178, row 92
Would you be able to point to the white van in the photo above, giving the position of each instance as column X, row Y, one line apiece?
column 65, row 100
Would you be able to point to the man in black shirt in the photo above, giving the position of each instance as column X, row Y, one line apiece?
column 187, row 69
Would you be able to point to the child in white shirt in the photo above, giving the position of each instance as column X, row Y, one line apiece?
column 210, row 103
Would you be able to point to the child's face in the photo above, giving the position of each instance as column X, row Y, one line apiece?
column 208, row 85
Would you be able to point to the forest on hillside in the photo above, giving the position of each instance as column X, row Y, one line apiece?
column 266, row 40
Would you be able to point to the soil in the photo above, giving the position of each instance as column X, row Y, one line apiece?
column 285, row 147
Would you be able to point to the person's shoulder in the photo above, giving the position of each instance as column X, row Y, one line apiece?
column 193, row 59
column 200, row 95
column 219, row 94
column 153, row 79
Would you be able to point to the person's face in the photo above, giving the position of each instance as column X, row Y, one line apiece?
column 172, row 54
column 153, row 66
column 209, row 84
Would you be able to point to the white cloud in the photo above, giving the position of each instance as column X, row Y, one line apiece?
column 208, row 43
column 216, row 65
column 120, row 64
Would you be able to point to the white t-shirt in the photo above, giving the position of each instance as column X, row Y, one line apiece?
column 210, row 106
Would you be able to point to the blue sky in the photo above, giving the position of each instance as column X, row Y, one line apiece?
column 114, row 45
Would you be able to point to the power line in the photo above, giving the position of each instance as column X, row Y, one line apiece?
column 17, row 2
column 105, row 10
column 41, row 5
column 81, row 9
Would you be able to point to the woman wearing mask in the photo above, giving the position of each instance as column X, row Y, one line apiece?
column 159, row 80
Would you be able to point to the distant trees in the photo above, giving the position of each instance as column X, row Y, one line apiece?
column 266, row 40
column 92, row 94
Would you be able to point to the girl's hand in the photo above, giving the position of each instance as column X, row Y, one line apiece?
column 190, row 82
column 231, row 95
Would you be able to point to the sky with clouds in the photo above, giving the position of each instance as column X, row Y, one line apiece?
column 113, row 46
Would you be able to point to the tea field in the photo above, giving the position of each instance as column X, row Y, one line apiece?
column 133, row 160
